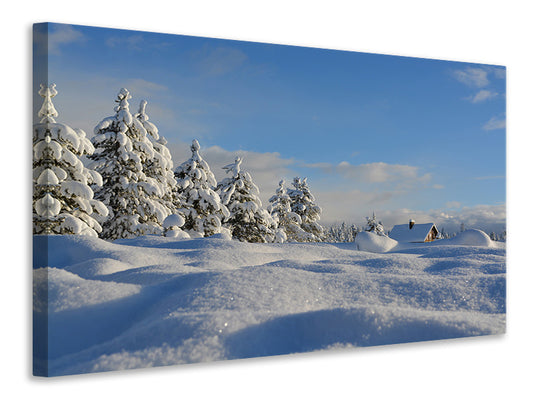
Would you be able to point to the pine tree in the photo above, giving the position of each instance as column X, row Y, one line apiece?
column 121, row 150
column 354, row 230
column 160, row 166
column 62, row 198
column 288, row 222
column 503, row 235
column 342, row 233
column 303, row 204
column 372, row 225
column 201, row 206
column 248, row 220
column 160, row 169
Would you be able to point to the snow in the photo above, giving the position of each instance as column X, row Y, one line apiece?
column 73, row 188
column 303, row 204
column 47, row 111
column 56, row 148
column 173, row 220
column 67, row 291
column 369, row 241
column 248, row 221
column 47, row 206
column 202, row 207
column 122, row 154
column 47, row 177
column 153, row 300
column 471, row 237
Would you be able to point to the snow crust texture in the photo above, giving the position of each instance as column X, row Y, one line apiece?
column 155, row 301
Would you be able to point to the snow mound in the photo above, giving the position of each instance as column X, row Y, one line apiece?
column 367, row 241
column 153, row 300
column 173, row 220
column 471, row 237
column 225, row 234
column 98, row 267
column 67, row 291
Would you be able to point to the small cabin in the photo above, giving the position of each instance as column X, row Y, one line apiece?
column 414, row 233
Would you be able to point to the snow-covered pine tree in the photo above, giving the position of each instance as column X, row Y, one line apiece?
column 248, row 220
column 342, row 233
column 374, row 226
column 203, row 210
column 353, row 230
column 160, row 167
column 122, row 148
column 303, row 204
column 288, row 222
column 62, row 198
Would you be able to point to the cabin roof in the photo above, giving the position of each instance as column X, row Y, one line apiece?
column 417, row 233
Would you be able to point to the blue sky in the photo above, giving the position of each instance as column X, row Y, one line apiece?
column 404, row 137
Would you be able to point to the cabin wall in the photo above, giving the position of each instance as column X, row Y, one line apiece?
column 432, row 235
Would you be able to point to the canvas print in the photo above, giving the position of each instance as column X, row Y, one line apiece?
column 198, row 199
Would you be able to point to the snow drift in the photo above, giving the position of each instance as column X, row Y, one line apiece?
column 471, row 237
column 368, row 241
column 154, row 301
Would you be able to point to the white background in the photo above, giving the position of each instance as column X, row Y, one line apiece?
column 493, row 32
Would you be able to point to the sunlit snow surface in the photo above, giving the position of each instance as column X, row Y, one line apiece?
column 154, row 301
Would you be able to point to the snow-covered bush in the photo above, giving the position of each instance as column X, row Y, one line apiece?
column 62, row 197
column 374, row 226
column 201, row 205
column 303, row 204
column 122, row 148
column 172, row 227
column 288, row 222
column 248, row 220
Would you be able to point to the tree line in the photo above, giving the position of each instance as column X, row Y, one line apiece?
column 127, row 186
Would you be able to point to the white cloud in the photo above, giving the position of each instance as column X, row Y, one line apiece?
column 378, row 172
column 350, row 206
column 498, row 72
column 142, row 88
column 220, row 60
column 266, row 169
column 484, row 178
column 133, row 42
column 324, row 166
column 271, row 164
column 99, row 94
column 474, row 77
column 483, row 95
column 50, row 40
column 453, row 204
column 494, row 123
column 485, row 217
column 63, row 34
